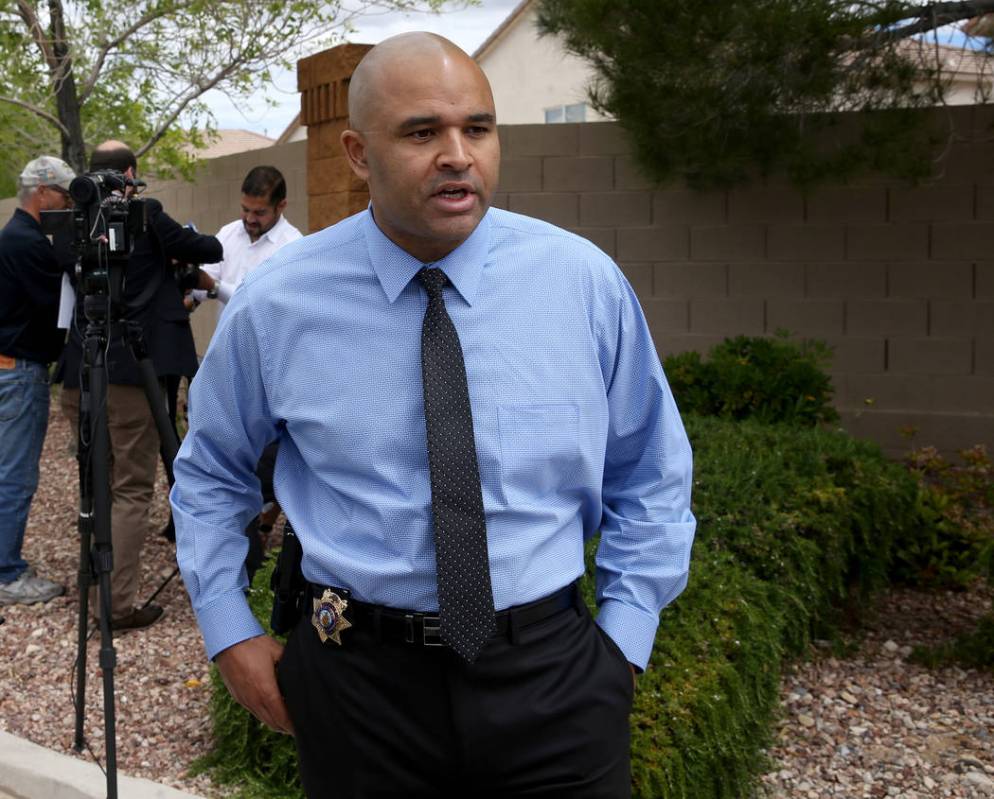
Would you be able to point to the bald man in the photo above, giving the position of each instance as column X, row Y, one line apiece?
column 151, row 299
column 463, row 396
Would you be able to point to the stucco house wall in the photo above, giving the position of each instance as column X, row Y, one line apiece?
column 529, row 74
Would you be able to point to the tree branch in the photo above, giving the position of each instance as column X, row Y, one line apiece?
column 935, row 15
column 30, row 17
column 91, row 81
column 195, row 92
column 61, row 56
column 38, row 111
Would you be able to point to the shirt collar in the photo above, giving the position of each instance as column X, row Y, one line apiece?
column 28, row 218
column 272, row 234
column 395, row 267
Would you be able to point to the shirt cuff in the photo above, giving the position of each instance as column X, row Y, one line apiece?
column 226, row 621
column 225, row 290
column 631, row 629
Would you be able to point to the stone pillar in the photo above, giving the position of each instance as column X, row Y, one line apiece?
column 333, row 191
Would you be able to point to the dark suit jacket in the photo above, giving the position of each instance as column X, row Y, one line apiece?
column 151, row 298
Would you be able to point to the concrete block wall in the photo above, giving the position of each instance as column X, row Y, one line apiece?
column 898, row 279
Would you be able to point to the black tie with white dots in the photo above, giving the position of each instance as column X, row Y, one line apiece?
column 465, row 598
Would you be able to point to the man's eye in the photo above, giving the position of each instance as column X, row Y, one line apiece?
column 421, row 135
column 478, row 130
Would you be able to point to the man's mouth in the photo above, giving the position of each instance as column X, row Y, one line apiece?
column 455, row 198
column 453, row 194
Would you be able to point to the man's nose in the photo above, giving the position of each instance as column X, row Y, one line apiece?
column 454, row 155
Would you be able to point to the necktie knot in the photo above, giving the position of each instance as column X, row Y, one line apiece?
column 434, row 280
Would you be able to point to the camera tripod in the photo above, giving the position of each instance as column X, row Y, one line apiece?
column 93, row 454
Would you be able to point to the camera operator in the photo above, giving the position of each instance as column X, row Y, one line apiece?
column 30, row 285
column 151, row 298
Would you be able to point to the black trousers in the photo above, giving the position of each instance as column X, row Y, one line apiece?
column 545, row 716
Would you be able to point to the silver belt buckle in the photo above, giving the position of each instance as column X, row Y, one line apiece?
column 431, row 631
column 431, row 634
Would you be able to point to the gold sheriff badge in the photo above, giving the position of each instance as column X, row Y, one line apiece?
column 329, row 619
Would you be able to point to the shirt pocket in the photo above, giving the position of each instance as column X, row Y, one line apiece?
column 540, row 449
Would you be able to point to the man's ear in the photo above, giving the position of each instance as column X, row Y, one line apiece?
column 280, row 206
column 355, row 151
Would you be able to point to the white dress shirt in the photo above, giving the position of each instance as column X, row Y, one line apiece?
column 242, row 255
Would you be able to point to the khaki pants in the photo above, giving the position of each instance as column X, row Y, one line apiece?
column 134, row 444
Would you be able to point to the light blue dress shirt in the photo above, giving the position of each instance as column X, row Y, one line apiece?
column 576, row 429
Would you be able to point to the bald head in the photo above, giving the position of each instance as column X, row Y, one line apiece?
column 110, row 144
column 423, row 135
column 391, row 60
column 113, row 154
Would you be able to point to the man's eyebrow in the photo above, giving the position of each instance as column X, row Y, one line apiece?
column 482, row 117
column 415, row 122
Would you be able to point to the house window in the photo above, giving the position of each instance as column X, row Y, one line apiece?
column 576, row 112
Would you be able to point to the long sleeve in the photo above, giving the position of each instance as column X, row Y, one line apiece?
column 185, row 244
column 647, row 527
column 216, row 491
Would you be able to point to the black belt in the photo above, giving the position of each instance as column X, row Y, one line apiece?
column 422, row 629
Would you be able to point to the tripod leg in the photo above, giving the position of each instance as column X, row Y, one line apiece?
column 101, row 308
column 103, row 559
column 85, row 573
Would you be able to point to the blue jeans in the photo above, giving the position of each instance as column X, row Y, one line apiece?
column 24, row 397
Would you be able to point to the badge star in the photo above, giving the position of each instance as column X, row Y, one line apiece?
column 329, row 619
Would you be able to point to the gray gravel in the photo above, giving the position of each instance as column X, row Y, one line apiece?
column 161, row 675
column 869, row 725
column 875, row 725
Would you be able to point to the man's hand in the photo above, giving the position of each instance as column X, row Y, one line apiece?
column 249, row 672
column 205, row 281
column 635, row 675
column 269, row 516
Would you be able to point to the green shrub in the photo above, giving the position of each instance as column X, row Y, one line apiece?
column 262, row 764
column 795, row 526
column 954, row 544
column 770, row 380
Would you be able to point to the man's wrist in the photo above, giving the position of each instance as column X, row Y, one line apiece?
column 213, row 290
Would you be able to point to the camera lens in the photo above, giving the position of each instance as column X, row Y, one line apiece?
column 83, row 190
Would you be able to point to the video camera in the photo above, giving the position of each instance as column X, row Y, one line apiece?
column 106, row 221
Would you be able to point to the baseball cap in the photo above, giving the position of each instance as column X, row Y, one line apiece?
column 47, row 171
